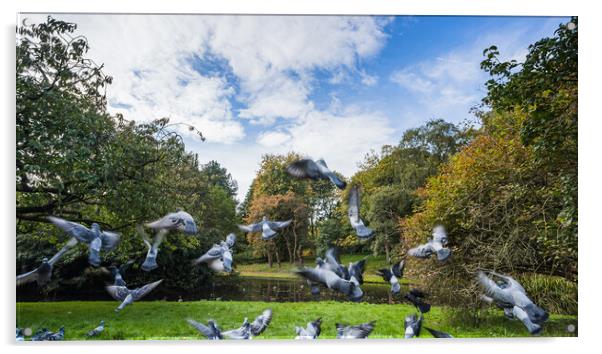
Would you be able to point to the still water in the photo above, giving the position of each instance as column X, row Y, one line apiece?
column 226, row 289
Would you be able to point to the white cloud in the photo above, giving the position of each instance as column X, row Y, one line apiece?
column 273, row 139
column 367, row 79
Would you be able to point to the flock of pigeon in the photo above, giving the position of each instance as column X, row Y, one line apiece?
column 505, row 292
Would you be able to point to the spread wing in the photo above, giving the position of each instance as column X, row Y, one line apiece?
column 493, row 290
column 304, row 168
column 187, row 224
column 385, row 273
column 397, row 268
column 110, row 240
column 141, row 292
column 422, row 251
column 277, row 225
column 118, row 292
column 251, row 228
column 204, row 330
column 214, row 253
column 27, row 277
column 72, row 242
column 73, row 229
column 361, row 331
column 261, row 322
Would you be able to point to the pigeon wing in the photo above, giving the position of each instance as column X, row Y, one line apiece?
column 493, row 290
column 72, row 242
column 277, row 225
column 422, row 251
column 204, row 330
column 251, row 228
column 438, row 334
column 353, row 210
column 76, row 230
column 141, row 292
column 110, row 240
column 361, row 331
column 231, row 240
column 304, row 168
column 214, row 253
column 261, row 322
column 397, row 269
column 118, row 292
column 385, row 273
column 27, row 277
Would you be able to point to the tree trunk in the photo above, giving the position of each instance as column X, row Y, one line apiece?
column 387, row 251
column 270, row 259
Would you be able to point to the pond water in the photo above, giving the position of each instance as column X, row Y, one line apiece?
column 227, row 289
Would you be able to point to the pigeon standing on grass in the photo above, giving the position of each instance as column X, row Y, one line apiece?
column 353, row 211
column 150, row 262
column 363, row 330
column 219, row 257
column 393, row 275
column 413, row 324
column 434, row 245
column 180, row 220
column 98, row 330
column 266, row 227
column 512, row 297
column 96, row 239
column 127, row 296
column 312, row 331
column 438, row 334
column 316, row 170
column 43, row 273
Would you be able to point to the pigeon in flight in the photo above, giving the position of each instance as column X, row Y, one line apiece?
column 316, row 170
column 267, row 228
column 211, row 330
column 393, row 275
column 363, row 330
column 312, row 331
column 331, row 280
column 333, row 262
column 43, row 273
column 243, row 332
column 512, row 297
column 438, row 334
column 434, row 245
column 219, row 257
column 353, row 211
column 150, row 262
column 117, row 273
column 356, row 276
column 127, row 296
column 261, row 322
column 416, row 297
column 180, row 220
column 20, row 337
column 98, row 330
column 96, row 239
column 412, row 325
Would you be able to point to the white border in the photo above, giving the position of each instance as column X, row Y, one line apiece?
column 589, row 170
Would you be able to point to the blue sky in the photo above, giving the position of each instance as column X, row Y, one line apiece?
column 325, row 86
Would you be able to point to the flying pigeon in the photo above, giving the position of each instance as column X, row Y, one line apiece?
column 416, row 296
column 393, row 275
column 20, row 337
column 43, row 273
column 127, row 296
column 331, row 280
column 434, row 245
column 117, row 273
column 219, row 257
column 438, row 334
column 96, row 239
column 510, row 294
column 363, row 330
column 98, row 330
column 356, row 276
column 353, row 211
column 211, row 330
column 261, row 322
column 267, row 228
column 412, row 325
column 150, row 262
column 243, row 332
column 312, row 331
column 180, row 220
column 316, row 170
column 333, row 263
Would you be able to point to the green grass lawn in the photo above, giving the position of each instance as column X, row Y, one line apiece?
column 166, row 320
column 286, row 269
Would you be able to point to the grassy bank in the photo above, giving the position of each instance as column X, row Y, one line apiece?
column 286, row 269
column 166, row 320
